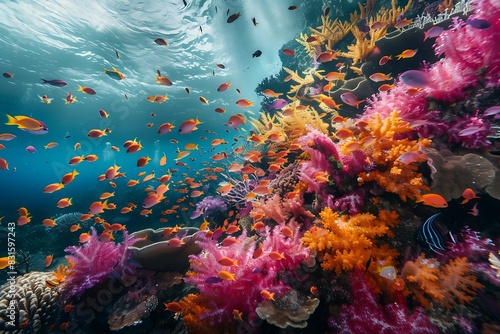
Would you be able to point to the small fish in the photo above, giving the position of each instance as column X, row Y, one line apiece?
column 226, row 275
column 45, row 99
column 115, row 74
column 411, row 157
column 433, row 32
column 293, row 7
column 402, row 23
column 86, row 90
column 244, row 103
column 267, row 295
column 408, row 53
column 434, row 200
column 415, row 78
column 8, row 75
column 429, row 234
column 189, row 126
column 351, row 99
column 254, row 21
column 468, row 194
column 31, row 149
column 213, row 280
column 288, row 52
column 257, row 53
column 233, row 17
column 326, row 57
column 222, row 87
column 384, row 60
column 474, row 211
column 377, row 77
column 117, row 55
column 161, row 41
column 57, row 82
column 326, row 11
column 236, row 120
column 25, row 123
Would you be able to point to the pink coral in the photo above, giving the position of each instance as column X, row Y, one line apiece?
column 251, row 275
column 367, row 315
column 94, row 262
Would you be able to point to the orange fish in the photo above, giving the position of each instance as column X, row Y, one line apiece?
column 84, row 237
column 226, row 261
column 236, row 120
column 377, row 77
column 64, row 202
column 189, row 126
column 468, row 194
column 48, row 260
column 326, row 56
column 334, row 76
column 434, row 200
column 173, row 307
column 86, row 90
column 244, row 103
column 408, row 53
column 25, row 123
column 226, row 275
column 49, row 222
column 53, row 187
column 69, row 177
column 270, row 93
column 222, row 87
column 75, row 227
column 163, row 80
column 76, row 160
column 267, row 295
column 203, row 100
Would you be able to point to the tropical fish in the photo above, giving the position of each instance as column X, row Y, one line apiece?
column 478, row 23
column 115, row 74
column 433, row 32
column 434, row 200
column 233, row 17
column 288, row 52
column 189, row 126
column 45, row 99
column 377, row 77
column 468, row 194
column 8, row 75
column 236, row 120
column 86, row 90
column 244, row 103
column 257, row 53
column 408, row 53
column 160, row 41
column 31, row 149
column 415, row 78
column 25, row 122
column 254, row 21
column 267, row 295
column 351, row 99
column 384, row 60
column 163, row 80
column 429, row 234
column 223, row 86
column 57, row 82
column 326, row 57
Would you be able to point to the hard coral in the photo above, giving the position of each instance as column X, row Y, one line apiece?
column 94, row 262
column 347, row 242
column 251, row 275
column 366, row 315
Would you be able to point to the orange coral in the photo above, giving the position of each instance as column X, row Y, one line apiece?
column 448, row 285
column 193, row 307
column 387, row 145
column 61, row 272
column 347, row 242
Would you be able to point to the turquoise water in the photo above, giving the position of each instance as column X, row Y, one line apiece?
column 76, row 42
column 353, row 279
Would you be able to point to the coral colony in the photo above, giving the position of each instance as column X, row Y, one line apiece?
column 314, row 227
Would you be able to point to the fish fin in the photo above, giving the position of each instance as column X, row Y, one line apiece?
column 80, row 88
column 11, row 120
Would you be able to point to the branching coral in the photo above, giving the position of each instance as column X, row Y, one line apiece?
column 94, row 262
column 389, row 144
column 280, row 210
column 448, row 285
column 367, row 315
column 248, row 277
column 347, row 242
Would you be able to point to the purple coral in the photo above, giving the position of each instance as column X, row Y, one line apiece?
column 251, row 275
column 367, row 315
column 208, row 206
column 93, row 263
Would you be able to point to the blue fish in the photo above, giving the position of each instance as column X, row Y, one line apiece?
column 278, row 104
column 415, row 78
column 429, row 234
column 115, row 74
column 57, row 83
column 213, row 280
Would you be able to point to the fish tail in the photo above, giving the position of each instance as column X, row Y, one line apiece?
column 80, row 88
column 11, row 120
column 65, row 101
column 44, row 81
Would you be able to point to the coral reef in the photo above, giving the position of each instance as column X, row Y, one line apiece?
column 126, row 314
column 153, row 249
column 28, row 305
column 366, row 314
column 347, row 242
column 248, row 274
column 94, row 262
column 290, row 310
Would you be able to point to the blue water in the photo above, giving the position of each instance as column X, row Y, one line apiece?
column 75, row 42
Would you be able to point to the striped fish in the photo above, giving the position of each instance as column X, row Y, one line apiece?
column 429, row 234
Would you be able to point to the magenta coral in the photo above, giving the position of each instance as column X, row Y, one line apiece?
column 367, row 315
column 251, row 275
column 94, row 262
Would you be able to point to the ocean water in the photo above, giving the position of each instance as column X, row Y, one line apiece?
column 76, row 41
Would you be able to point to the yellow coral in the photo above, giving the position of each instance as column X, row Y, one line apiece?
column 347, row 242
column 384, row 150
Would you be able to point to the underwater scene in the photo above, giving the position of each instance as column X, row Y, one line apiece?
column 237, row 166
